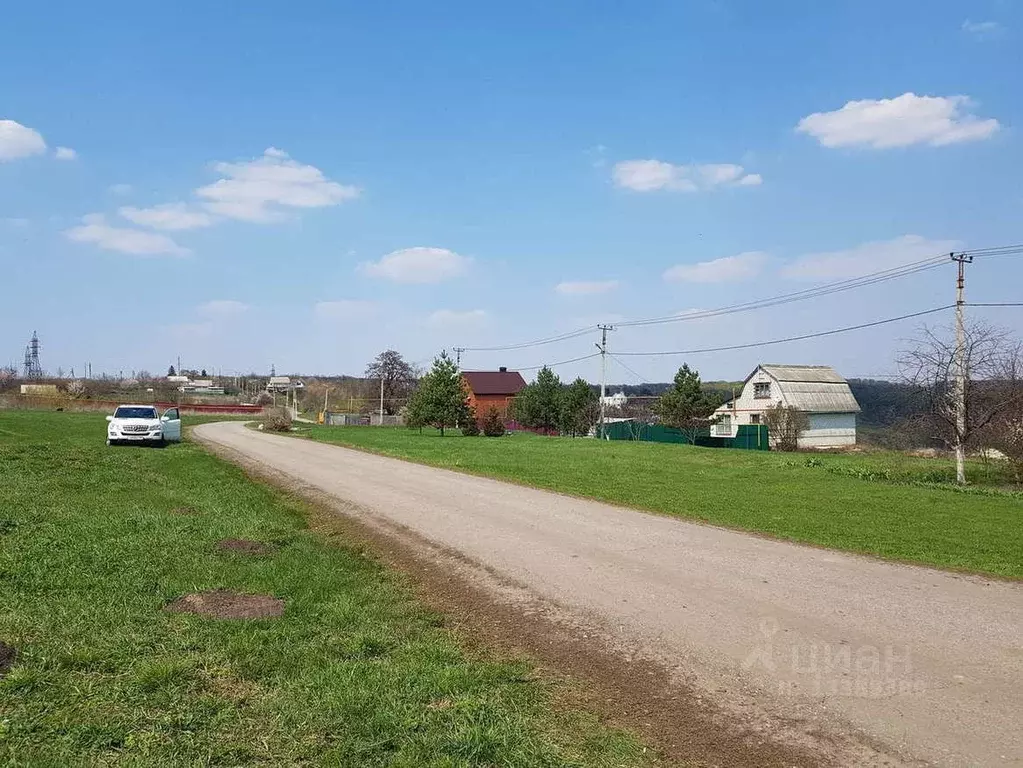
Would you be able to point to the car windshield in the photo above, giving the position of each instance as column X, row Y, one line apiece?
column 135, row 413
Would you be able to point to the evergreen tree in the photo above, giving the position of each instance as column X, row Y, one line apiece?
column 415, row 410
column 468, row 423
column 686, row 406
column 578, row 408
column 170, row 371
column 492, row 424
column 538, row 406
column 440, row 399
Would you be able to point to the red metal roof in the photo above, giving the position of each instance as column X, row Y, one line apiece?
column 494, row 382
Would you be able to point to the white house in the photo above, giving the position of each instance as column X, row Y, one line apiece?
column 617, row 400
column 815, row 389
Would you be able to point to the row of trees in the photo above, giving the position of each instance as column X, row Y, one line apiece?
column 550, row 407
column 992, row 416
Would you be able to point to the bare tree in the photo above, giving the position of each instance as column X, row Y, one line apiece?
column 399, row 378
column 640, row 414
column 1008, row 438
column 785, row 425
column 993, row 386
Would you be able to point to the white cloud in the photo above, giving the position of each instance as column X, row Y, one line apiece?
column 651, row 175
column 583, row 288
column 744, row 266
column 169, row 216
column 867, row 258
column 260, row 190
column 449, row 318
column 900, row 122
column 222, row 308
column 18, row 141
column 982, row 30
column 65, row 153
column 345, row 309
column 94, row 229
column 418, row 265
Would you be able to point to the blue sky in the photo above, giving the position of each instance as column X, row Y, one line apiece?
column 306, row 185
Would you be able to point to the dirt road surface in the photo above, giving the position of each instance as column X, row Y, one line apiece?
column 860, row 661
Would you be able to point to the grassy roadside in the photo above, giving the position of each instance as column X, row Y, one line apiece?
column 95, row 541
column 886, row 505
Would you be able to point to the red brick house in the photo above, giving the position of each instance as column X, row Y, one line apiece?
column 492, row 389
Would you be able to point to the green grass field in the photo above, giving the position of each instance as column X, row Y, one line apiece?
column 883, row 504
column 94, row 541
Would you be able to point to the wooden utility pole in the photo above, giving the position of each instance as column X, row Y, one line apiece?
column 960, row 367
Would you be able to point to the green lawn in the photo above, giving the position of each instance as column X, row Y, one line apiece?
column 883, row 504
column 94, row 541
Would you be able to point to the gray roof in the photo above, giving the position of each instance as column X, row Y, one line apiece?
column 813, row 388
column 812, row 373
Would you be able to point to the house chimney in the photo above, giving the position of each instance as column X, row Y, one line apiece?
column 503, row 369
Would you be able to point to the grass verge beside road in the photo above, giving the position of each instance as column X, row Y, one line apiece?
column 95, row 541
column 877, row 504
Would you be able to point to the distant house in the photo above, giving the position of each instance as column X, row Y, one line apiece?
column 493, row 389
column 283, row 384
column 40, row 390
column 200, row 387
column 617, row 400
column 817, row 390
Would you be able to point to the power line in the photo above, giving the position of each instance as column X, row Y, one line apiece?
column 562, row 362
column 803, row 295
column 536, row 343
column 788, row 339
column 806, row 294
column 638, row 376
column 996, row 304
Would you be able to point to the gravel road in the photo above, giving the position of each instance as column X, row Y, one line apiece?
column 908, row 665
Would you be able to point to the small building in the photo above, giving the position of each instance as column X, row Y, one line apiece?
column 617, row 400
column 817, row 390
column 201, row 387
column 493, row 389
column 40, row 390
column 283, row 384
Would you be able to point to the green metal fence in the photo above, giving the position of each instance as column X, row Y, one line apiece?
column 751, row 437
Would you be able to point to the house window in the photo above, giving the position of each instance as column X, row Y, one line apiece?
column 754, row 418
column 723, row 428
column 762, row 391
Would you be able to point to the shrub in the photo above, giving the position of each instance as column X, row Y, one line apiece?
column 470, row 427
column 276, row 420
column 492, row 424
column 75, row 389
column 264, row 399
column 785, row 424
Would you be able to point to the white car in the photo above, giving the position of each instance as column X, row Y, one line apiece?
column 143, row 424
